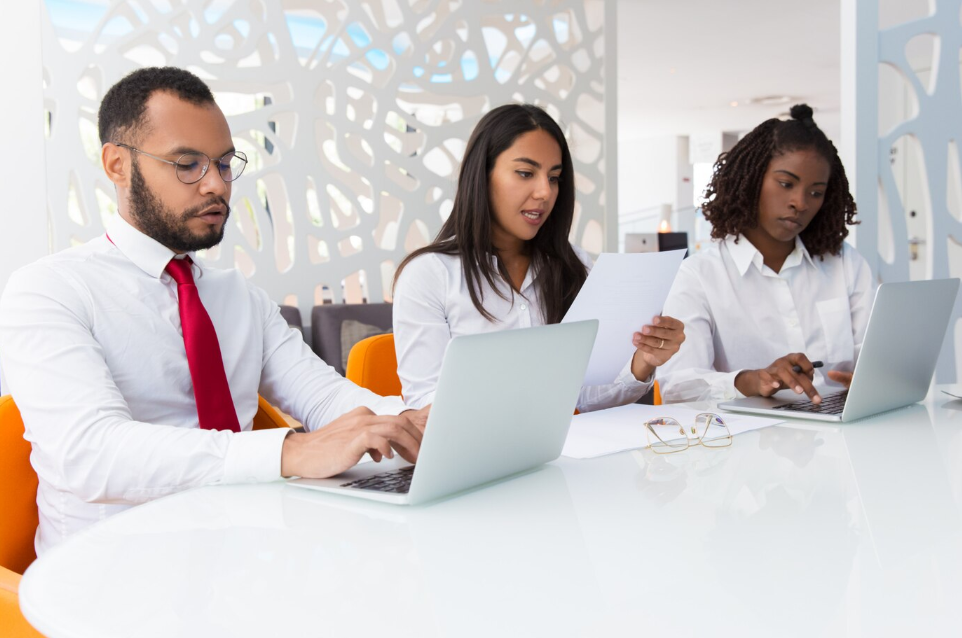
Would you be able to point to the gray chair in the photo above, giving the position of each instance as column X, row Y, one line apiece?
column 293, row 318
column 327, row 328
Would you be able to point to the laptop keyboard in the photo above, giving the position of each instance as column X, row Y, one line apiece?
column 397, row 481
column 831, row 404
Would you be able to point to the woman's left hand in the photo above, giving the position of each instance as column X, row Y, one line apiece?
column 656, row 344
column 838, row 376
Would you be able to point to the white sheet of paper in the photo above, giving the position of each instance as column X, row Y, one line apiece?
column 594, row 434
column 624, row 291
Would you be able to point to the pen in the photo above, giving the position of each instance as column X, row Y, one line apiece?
column 815, row 364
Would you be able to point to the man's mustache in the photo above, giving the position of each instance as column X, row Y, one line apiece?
column 213, row 201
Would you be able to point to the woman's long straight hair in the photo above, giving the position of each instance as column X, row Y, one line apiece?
column 467, row 231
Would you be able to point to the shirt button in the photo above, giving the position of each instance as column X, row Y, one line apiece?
column 524, row 307
column 793, row 323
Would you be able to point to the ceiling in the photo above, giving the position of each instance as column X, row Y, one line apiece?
column 682, row 63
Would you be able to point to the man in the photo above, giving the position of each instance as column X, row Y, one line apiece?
column 136, row 368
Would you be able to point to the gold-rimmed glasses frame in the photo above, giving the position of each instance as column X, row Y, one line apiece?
column 666, row 435
column 191, row 167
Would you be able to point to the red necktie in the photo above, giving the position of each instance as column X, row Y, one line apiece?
column 215, row 408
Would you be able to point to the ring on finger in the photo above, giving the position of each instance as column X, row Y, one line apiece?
column 662, row 344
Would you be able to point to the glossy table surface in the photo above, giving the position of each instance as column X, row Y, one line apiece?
column 801, row 529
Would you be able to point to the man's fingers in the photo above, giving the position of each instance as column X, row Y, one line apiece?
column 358, row 411
column 400, row 439
column 418, row 417
column 377, row 423
column 410, row 427
column 411, row 456
column 374, row 443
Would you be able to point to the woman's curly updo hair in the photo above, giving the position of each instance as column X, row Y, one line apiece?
column 731, row 199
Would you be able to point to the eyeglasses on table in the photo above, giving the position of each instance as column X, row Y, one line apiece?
column 666, row 435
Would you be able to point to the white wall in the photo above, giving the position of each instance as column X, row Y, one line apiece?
column 22, row 162
column 648, row 173
column 24, row 216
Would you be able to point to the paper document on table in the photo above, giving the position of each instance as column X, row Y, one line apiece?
column 624, row 291
column 594, row 434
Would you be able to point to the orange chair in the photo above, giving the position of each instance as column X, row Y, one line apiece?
column 18, row 494
column 372, row 364
column 267, row 416
column 18, row 502
column 13, row 623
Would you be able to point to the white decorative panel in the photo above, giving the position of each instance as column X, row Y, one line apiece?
column 919, row 217
column 354, row 114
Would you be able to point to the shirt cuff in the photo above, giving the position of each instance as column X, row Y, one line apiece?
column 628, row 380
column 425, row 400
column 255, row 457
column 389, row 406
column 725, row 387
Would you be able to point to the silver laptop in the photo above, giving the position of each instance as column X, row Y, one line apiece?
column 503, row 405
column 894, row 369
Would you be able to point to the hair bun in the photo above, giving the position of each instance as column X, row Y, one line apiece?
column 801, row 112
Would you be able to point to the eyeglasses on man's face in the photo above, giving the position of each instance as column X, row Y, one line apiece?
column 190, row 168
column 666, row 435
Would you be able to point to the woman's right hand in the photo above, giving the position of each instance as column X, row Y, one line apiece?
column 780, row 375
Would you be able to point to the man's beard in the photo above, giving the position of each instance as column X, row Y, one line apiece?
column 164, row 225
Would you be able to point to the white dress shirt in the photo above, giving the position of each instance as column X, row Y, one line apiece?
column 739, row 314
column 92, row 348
column 432, row 305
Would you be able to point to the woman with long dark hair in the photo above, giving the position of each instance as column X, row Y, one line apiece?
column 502, row 260
column 778, row 288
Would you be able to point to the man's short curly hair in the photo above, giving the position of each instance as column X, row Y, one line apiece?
column 731, row 199
column 124, row 107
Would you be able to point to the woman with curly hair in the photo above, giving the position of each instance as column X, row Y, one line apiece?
column 502, row 260
column 778, row 288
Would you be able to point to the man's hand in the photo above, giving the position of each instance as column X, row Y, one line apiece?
column 418, row 418
column 656, row 344
column 779, row 375
column 340, row 444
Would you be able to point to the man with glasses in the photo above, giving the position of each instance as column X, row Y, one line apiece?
column 136, row 368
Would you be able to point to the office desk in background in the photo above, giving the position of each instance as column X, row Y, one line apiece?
column 795, row 530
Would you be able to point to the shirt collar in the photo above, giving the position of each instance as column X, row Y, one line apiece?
column 798, row 256
column 744, row 254
column 145, row 252
column 800, row 247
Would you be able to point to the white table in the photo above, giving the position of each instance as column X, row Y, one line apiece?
column 796, row 530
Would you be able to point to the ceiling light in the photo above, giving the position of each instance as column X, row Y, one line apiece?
column 733, row 103
column 772, row 100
